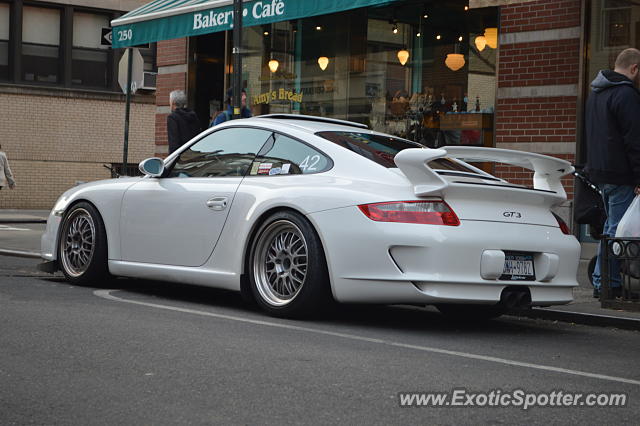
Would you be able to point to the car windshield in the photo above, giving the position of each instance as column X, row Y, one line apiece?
column 382, row 149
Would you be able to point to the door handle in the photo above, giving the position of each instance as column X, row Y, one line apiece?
column 217, row 203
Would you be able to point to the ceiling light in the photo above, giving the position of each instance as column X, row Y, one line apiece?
column 454, row 61
column 460, row 38
column 491, row 34
column 481, row 42
column 273, row 65
column 318, row 28
column 438, row 37
column 323, row 62
column 266, row 33
column 403, row 56
column 395, row 29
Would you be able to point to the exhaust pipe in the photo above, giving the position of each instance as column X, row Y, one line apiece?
column 515, row 298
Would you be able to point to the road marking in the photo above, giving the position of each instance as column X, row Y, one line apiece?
column 106, row 294
column 9, row 228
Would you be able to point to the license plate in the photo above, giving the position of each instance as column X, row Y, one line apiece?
column 518, row 267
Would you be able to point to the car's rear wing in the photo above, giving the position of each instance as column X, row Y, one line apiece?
column 547, row 171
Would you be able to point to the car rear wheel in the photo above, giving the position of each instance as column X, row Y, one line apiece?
column 287, row 267
column 83, row 245
column 463, row 312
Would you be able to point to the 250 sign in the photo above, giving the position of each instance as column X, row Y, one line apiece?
column 124, row 35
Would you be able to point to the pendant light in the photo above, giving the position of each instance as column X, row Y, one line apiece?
column 455, row 61
column 403, row 54
column 323, row 62
column 481, row 42
column 273, row 65
column 491, row 34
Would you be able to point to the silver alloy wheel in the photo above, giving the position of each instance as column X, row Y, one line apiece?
column 78, row 242
column 280, row 262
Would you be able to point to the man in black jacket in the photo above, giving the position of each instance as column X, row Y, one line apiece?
column 182, row 123
column 612, row 122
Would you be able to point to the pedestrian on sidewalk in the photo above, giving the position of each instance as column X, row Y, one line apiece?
column 6, row 177
column 612, row 130
column 182, row 123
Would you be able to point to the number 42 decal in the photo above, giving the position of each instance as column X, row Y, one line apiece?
column 309, row 163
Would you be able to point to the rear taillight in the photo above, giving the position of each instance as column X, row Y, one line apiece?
column 563, row 226
column 423, row 212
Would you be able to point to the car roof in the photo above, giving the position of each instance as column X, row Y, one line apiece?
column 309, row 123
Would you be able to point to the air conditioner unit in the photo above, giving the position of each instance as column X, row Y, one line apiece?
column 149, row 80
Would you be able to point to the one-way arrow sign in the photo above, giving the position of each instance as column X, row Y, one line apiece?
column 107, row 36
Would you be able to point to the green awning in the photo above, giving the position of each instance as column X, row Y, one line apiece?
column 169, row 19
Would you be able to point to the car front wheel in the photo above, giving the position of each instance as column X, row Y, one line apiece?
column 82, row 249
column 287, row 267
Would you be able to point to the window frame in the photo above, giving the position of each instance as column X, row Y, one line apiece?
column 169, row 167
column 330, row 162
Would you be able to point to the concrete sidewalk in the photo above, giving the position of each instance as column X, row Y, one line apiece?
column 583, row 310
column 23, row 216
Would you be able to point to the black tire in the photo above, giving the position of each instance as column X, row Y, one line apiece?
column 82, row 246
column 460, row 312
column 287, row 269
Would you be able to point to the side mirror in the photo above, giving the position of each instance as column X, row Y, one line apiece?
column 153, row 167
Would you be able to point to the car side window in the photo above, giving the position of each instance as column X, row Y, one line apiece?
column 227, row 152
column 282, row 155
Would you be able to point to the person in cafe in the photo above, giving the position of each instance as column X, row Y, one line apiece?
column 227, row 114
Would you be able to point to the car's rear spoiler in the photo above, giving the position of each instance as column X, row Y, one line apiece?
column 413, row 162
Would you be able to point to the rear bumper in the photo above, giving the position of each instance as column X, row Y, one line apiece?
column 376, row 262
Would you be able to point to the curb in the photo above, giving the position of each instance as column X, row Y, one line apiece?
column 20, row 220
column 579, row 318
column 19, row 253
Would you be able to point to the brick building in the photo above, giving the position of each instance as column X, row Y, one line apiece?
column 63, row 110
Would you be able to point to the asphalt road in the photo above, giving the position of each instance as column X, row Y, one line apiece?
column 139, row 352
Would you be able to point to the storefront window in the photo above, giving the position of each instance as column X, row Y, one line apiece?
column 412, row 69
column 4, row 41
column 614, row 25
column 40, row 45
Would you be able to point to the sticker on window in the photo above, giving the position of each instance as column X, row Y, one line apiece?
column 254, row 168
column 264, row 168
column 285, row 169
column 275, row 171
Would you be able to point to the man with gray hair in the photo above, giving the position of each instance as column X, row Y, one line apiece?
column 182, row 123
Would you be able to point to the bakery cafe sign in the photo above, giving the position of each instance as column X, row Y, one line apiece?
column 276, row 95
column 259, row 10
column 171, row 19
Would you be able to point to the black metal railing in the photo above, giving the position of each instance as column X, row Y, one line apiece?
column 626, row 251
column 117, row 170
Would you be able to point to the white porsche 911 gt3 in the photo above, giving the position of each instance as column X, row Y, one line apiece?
column 297, row 211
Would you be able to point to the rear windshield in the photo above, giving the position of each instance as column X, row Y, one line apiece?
column 382, row 149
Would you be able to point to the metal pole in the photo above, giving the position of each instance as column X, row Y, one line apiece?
column 125, row 149
column 237, row 58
